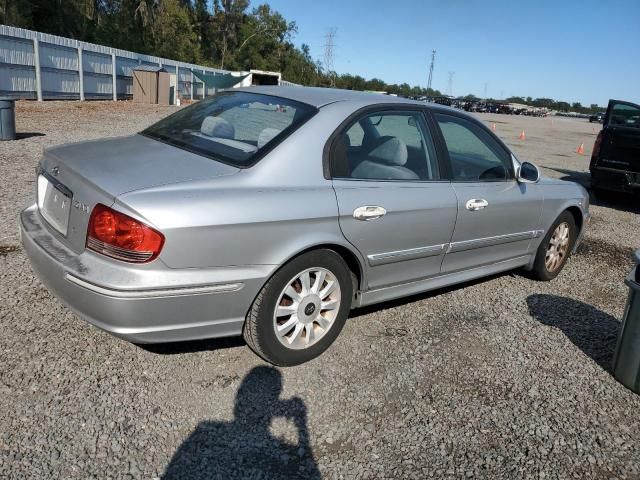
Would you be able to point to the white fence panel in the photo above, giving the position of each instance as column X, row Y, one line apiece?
column 59, row 68
column 58, row 57
column 18, row 80
column 61, row 84
column 96, row 62
column 16, row 51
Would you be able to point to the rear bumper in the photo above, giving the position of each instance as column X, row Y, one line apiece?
column 605, row 178
column 142, row 304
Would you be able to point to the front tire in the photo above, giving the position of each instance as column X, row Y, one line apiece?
column 301, row 310
column 555, row 248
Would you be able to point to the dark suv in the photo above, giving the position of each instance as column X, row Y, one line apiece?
column 596, row 117
column 615, row 162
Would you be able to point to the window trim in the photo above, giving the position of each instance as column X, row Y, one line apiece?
column 445, row 151
column 329, row 161
column 258, row 154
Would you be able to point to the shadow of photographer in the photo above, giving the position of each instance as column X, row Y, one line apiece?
column 245, row 447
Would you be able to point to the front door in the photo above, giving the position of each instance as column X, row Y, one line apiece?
column 394, row 207
column 497, row 216
column 620, row 145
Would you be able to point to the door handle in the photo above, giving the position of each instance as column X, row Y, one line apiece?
column 368, row 212
column 477, row 204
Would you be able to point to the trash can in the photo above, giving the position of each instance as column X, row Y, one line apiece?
column 7, row 119
column 626, row 360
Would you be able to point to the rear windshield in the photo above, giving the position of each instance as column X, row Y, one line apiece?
column 233, row 127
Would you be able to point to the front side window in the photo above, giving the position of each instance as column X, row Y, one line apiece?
column 386, row 146
column 474, row 155
column 232, row 126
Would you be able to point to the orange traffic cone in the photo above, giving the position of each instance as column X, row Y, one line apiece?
column 493, row 126
column 522, row 136
column 580, row 149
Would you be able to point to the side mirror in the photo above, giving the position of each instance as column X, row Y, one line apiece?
column 528, row 173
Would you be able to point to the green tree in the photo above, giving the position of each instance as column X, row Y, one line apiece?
column 228, row 18
column 173, row 34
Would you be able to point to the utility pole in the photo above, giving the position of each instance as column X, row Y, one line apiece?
column 450, row 86
column 433, row 60
column 328, row 55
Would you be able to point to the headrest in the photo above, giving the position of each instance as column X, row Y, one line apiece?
column 267, row 135
column 390, row 152
column 217, row 127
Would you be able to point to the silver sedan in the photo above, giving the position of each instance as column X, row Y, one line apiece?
column 271, row 212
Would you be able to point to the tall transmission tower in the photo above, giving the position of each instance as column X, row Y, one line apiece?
column 450, row 85
column 328, row 54
column 433, row 60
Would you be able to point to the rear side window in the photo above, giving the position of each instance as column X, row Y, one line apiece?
column 389, row 145
column 232, row 127
column 625, row 116
column 473, row 153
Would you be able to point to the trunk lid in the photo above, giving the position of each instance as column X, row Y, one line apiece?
column 98, row 171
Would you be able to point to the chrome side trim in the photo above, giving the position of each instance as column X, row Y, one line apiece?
column 166, row 292
column 491, row 241
column 438, row 281
column 402, row 255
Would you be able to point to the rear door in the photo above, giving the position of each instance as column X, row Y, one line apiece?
column 395, row 207
column 620, row 147
column 497, row 216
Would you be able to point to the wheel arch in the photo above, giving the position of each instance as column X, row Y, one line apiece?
column 348, row 254
column 351, row 258
column 575, row 211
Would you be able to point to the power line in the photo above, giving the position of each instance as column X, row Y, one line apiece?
column 433, row 61
column 328, row 54
column 450, row 85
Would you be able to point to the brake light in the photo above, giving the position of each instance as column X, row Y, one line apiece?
column 119, row 236
column 596, row 150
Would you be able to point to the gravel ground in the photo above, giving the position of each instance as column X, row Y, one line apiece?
column 500, row 378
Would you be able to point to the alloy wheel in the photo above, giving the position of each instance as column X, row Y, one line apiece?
column 558, row 247
column 307, row 308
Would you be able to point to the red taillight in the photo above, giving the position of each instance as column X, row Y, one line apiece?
column 119, row 236
column 596, row 150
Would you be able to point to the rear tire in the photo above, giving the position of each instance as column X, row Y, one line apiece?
column 555, row 248
column 301, row 309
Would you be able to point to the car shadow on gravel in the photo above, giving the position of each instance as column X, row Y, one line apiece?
column 590, row 329
column 192, row 346
column 245, row 447
column 399, row 302
column 24, row 135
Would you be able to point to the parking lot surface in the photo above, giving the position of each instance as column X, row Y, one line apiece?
column 500, row 378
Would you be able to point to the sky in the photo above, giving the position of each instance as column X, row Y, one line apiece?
column 577, row 51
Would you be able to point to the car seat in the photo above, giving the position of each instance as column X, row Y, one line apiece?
column 386, row 162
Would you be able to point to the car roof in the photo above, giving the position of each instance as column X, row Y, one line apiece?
column 319, row 97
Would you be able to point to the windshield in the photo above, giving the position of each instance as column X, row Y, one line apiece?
column 233, row 127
